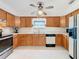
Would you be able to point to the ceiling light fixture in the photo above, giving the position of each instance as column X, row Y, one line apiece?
column 40, row 12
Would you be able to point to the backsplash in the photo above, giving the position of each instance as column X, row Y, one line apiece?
column 47, row 30
column 7, row 31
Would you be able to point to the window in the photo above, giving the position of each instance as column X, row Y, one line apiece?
column 39, row 22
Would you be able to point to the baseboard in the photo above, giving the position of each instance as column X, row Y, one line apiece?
column 71, row 57
column 50, row 45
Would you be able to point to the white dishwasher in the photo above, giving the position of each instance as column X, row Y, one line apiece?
column 50, row 40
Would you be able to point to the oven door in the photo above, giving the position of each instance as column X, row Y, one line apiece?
column 5, row 43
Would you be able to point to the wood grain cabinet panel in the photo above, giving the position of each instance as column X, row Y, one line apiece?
column 15, row 41
column 3, row 14
column 10, row 20
column 29, row 40
column 28, row 22
column 59, row 40
column 25, row 40
column 53, row 21
column 22, row 22
column 62, row 40
column 39, row 40
column 25, row 22
column 64, row 22
column 65, row 42
column 35, row 40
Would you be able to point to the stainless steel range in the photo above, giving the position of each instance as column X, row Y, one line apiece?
column 6, row 42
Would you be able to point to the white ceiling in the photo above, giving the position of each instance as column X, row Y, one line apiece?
column 22, row 8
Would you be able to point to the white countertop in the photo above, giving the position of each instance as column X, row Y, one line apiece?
column 47, row 30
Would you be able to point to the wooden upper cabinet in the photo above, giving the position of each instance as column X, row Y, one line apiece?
column 25, row 22
column 10, row 20
column 53, row 21
column 3, row 14
column 64, row 22
column 29, row 21
column 22, row 22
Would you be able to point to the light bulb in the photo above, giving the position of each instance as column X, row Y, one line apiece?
column 40, row 12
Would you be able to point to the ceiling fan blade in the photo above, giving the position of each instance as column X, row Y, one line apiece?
column 33, row 5
column 45, row 13
column 71, row 1
column 49, row 7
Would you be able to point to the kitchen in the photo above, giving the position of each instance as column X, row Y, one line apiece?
column 26, row 32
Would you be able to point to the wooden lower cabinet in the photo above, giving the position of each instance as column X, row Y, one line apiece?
column 62, row 40
column 39, row 40
column 15, row 41
column 59, row 40
column 25, row 39
column 65, row 42
column 29, row 40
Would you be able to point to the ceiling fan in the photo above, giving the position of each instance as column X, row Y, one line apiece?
column 71, row 1
column 40, row 7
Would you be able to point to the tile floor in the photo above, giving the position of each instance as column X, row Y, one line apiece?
column 39, row 53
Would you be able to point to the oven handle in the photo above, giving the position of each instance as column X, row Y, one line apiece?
column 6, row 51
column 6, row 38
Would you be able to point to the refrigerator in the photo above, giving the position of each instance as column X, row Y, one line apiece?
column 73, row 37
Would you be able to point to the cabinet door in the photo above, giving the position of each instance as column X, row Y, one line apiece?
column 64, row 22
column 41, row 40
column 59, row 39
column 10, row 20
column 25, row 22
column 35, row 40
column 53, row 22
column 22, row 22
column 28, row 39
column 28, row 22
column 15, row 41
column 65, row 42
column 25, row 40
column 3, row 14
